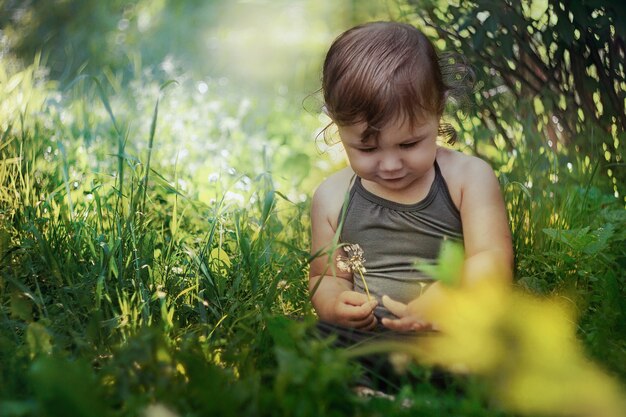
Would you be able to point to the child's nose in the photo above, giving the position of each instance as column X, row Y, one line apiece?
column 390, row 163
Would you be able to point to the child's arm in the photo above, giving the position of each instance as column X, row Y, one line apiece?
column 486, row 233
column 486, row 236
column 332, row 290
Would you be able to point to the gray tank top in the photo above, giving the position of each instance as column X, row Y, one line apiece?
column 394, row 235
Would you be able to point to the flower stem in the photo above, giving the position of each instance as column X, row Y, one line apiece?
column 367, row 291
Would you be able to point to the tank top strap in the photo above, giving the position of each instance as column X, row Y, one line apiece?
column 441, row 184
column 438, row 175
column 352, row 181
column 347, row 197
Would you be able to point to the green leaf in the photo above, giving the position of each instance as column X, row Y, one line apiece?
column 491, row 24
column 449, row 266
column 582, row 240
column 220, row 261
column 281, row 330
column 21, row 306
column 39, row 340
column 565, row 30
column 66, row 388
column 478, row 39
column 506, row 44
column 537, row 9
column 600, row 240
column 268, row 204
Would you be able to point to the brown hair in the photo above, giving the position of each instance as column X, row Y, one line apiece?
column 378, row 72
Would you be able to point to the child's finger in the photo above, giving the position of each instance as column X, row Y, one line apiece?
column 396, row 308
column 396, row 324
column 368, row 307
column 367, row 323
column 419, row 326
column 353, row 298
column 356, row 312
column 372, row 324
column 404, row 324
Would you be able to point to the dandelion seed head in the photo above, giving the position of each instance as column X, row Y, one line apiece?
column 342, row 264
column 354, row 261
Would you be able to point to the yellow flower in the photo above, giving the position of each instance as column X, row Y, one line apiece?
column 546, row 371
column 524, row 346
column 468, row 320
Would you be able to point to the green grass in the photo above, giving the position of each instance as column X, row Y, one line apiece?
column 154, row 253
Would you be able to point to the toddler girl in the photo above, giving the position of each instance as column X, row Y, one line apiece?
column 402, row 194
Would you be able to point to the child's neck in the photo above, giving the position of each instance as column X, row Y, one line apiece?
column 413, row 193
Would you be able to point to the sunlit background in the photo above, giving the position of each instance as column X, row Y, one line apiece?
column 235, row 64
column 269, row 44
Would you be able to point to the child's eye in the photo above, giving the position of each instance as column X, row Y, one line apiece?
column 408, row 145
column 367, row 150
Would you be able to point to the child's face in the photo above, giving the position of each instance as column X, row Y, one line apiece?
column 398, row 158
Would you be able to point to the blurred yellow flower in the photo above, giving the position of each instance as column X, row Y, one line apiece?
column 524, row 346
column 469, row 321
column 546, row 371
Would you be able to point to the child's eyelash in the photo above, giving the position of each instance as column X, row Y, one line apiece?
column 402, row 145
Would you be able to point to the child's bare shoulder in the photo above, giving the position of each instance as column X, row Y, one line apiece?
column 338, row 182
column 463, row 171
column 330, row 194
column 461, row 167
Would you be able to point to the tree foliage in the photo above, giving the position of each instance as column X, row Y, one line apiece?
column 557, row 64
column 69, row 33
column 91, row 35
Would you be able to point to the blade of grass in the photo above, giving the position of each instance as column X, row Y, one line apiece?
column 153, row 124
column 66, row 179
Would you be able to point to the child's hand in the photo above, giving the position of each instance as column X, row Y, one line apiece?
column 408, row 315
column 353, row 309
